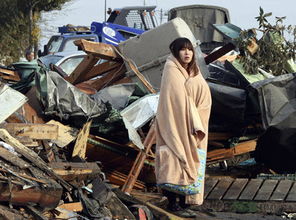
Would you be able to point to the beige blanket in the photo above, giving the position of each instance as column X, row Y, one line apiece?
column 181, row 126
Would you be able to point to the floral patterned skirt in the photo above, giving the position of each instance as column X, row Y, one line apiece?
column 193, row 188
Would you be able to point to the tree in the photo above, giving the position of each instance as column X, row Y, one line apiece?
column 32, row 10
column 276, row 48
column 18, row 25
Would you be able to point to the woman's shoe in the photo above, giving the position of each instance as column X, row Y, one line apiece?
column 175, row 207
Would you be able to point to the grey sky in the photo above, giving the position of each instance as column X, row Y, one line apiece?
column 242, row 13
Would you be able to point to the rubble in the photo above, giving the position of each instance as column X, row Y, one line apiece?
column 78, row 146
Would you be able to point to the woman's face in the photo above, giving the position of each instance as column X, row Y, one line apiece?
column 185, row 55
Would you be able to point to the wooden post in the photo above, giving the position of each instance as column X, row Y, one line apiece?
column 139, row 162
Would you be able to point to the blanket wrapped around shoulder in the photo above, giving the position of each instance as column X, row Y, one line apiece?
column 181, row 126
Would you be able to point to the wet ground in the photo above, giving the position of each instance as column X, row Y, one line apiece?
column 237, row 216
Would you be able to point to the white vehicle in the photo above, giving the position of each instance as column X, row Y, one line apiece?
column 67, row 61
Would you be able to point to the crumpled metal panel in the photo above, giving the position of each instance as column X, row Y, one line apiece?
column 11, row 100
column 277, row 97
column 117, row 95
column 62, row 99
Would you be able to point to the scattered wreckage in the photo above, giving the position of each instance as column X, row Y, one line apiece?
column 76, row 146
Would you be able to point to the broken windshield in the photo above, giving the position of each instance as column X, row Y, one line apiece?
column 54, row 44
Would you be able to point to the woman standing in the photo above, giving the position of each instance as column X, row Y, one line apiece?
column 182, row 129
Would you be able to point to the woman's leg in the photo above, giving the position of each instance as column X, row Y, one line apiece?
column 182, row 203
column 172, row 199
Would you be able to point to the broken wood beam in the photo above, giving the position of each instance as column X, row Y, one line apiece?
column 226, row 153
column 31, row 156
column 101, row 50
column 10, row 75
column 158, row 212
column 66, row 134
column 81, row 141
column 83, row 67
column 73, row 206
column 139, row 162
column 140, row 76
column 97, row 70
column 219, row 53
column 108, row 78
column 59, row 70
column 70, row 171
column 122, row 81
column 44, row 196
column 12, row 158
column 33, row 131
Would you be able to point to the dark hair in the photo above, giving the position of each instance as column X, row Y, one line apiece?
column 28, row 51
column 177, row 45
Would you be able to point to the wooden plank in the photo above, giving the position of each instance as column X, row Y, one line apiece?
column 30, row 155
column 226, row 153
column 220, row 189
column 235, row 189
column 109, row 78
column 245, row 147
column 123, row 80
column 70, row 171
column 81, row 142
column 139, row 162
column 73, row 206
column 148, row 86
column 162, row 213
column 266, row 190
column 66, row 134
column 33, row 131
column 101, row 50
column 251, row 189
column 281, row 190
column 98, row 70
column 219, row 154
column 29, row 142
column 83, row 67
column 210, row 183
column 12, row 158
column 219, row 53
column 9, row 74
column 292, row 194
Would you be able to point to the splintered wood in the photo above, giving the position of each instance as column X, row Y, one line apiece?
column 80, row 145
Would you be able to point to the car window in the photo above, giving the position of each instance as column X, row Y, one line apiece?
column 54, row 44
column 46, row 60
column 70, row 64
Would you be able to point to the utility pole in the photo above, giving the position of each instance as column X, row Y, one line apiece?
column 105, row 9
column 144, row 3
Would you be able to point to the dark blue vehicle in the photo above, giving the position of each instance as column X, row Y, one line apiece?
column 121, row 25
column 113, row 33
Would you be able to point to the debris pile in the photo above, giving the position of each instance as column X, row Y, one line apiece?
column 71, row 145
